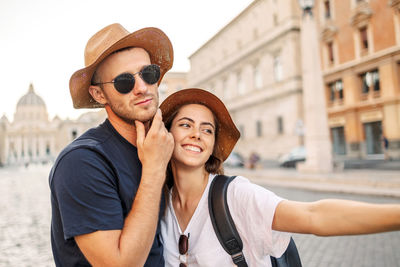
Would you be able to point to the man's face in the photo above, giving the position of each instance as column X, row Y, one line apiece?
column 139, row 104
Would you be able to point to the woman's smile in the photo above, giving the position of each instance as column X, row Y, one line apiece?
column 192, row 148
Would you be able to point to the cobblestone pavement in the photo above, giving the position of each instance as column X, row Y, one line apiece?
column 25, row 227
column 25, row 217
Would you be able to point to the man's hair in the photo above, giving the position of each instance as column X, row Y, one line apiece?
column 96, row 80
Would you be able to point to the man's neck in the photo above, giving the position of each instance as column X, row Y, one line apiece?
column 125, row 129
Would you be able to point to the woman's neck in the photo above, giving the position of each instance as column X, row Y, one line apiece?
column 189, row 185
column 189, row 182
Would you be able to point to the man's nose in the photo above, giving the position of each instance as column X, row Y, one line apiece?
column 141, row 86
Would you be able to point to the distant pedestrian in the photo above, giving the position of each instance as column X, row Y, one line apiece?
column 385, row 145
column 253, row 160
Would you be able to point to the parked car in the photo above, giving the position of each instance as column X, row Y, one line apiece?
column 290, row 160
column 234, row 160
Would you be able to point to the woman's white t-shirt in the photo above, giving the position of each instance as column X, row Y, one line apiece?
column 252, row 208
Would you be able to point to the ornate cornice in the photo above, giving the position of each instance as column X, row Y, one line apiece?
column 395, row 4
column 361, row 15
column 328, row 32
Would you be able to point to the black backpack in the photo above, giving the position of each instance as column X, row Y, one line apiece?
column 226, row 232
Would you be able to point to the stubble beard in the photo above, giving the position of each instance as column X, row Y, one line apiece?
column 129, row 117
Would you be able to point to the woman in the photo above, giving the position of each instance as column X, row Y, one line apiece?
column 204, row 136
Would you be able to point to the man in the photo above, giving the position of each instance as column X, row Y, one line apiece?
column 106, row 186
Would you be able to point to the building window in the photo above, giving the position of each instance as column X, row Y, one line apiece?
column 338, row 140
column 331, row 56
column 278, row 68
column 370, row 82
column 275, row 18
column 327, row 9
column 332, row 92
column 259, row 128
column 375, row 81
column 336, row 90
column 240, row 84
column 339, row 88
column 364, row 39
column 280, row 125
column 365, row 83
column 255, row 34
column 257, row 77
column 373, row 137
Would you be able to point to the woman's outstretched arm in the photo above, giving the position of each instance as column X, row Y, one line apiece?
column 336, row 217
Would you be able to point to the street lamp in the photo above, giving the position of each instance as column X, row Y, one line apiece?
column 316, row 136
column 307, row 6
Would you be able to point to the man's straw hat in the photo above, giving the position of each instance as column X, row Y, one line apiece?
column 108, row 40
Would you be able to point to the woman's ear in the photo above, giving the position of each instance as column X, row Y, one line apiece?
column 97, row 93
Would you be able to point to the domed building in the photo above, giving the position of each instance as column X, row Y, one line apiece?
column 31, row 107
column 33, row 138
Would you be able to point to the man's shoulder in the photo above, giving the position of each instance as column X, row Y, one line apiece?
column 89, row 144
column 91, row 139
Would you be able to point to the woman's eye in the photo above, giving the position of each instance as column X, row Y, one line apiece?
column 184, row 125
column 209, row 131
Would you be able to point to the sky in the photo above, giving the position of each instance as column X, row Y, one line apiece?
column 42, row 41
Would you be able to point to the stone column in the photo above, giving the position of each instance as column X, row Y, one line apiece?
column 42, row 147
column 316, row 139
column 25, row 145
column 17, row 147
column 20, row 148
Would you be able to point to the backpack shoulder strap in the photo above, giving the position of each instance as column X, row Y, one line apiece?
column 222, row 221
column 226, row 232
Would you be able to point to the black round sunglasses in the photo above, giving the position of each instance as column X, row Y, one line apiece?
column 125, row 82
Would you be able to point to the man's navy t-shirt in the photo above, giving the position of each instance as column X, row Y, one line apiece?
column 93, row 184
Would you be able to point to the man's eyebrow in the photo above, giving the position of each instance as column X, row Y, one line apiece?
column 192, row 121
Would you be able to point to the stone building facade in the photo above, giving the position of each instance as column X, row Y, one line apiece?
column 32, row 138
column 253, row 65
column 360, row 52
column 172, row 82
